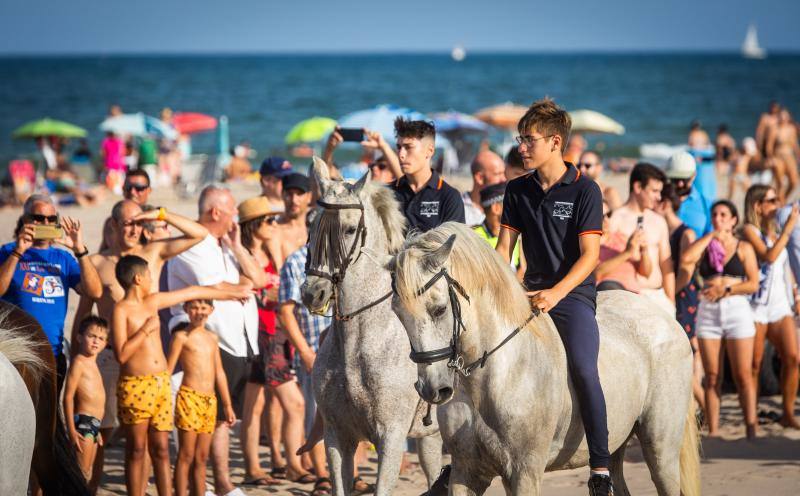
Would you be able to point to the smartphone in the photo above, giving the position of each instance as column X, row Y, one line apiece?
column 640, row 222
column 352, row 134
column 47, row 231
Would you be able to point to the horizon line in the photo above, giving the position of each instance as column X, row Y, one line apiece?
column 398, row 52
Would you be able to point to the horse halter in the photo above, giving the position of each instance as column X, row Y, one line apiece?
column 452, row 353
column 329, row 247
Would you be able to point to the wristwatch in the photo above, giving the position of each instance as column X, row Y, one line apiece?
column 82, row 254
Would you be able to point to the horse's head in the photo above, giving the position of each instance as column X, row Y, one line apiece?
column 335, row 237
column 427, row 302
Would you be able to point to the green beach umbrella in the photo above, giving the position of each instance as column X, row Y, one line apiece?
column 49, row 127
column 310, row 130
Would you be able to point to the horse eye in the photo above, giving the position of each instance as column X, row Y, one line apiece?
column 350, row 230
column 438, row 312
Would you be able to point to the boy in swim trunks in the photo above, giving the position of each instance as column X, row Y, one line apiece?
column 144, row 399
column 84, row 396
column 196, row 405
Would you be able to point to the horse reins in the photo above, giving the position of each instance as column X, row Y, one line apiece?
column 452, row 353
column 329, row 244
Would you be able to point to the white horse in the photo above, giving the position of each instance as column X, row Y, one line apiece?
column 363, row 380
column 512, row 396
column 16, row 410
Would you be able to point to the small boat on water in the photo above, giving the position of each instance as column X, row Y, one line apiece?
column 458, row 53
column 750, row 47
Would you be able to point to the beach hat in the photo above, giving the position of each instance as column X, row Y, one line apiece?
column 297, row 181
column 275, row 166
column 681, row 165
column 493, row 194
column 254, row 208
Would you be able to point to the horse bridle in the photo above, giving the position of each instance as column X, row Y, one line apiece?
column 329, row 240
column 452, row 352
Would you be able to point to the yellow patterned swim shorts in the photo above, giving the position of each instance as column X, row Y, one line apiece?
column 195, row 411
column 145, row 397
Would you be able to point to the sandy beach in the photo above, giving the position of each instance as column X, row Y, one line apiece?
column 731, row 465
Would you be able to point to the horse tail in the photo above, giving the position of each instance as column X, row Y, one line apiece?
column 690, row 454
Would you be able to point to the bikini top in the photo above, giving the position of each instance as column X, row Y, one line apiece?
column 734, row 267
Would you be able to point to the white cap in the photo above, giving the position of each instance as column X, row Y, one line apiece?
column 681, row 166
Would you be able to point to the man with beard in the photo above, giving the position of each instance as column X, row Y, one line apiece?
column 293, row 234
column 695, row 209
column 127, row 221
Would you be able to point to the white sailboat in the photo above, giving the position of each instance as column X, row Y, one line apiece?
column 458, row 53
column 750, row 46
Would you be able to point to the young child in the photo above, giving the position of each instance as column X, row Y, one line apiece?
column 84, row 397
column 143, row 391
column 196, row 405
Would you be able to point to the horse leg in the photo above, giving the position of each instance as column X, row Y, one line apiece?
column 430, row 456
column 527, row 482
column 340, row 458
column 390, row 456
column 661, row 446
column 465, row 482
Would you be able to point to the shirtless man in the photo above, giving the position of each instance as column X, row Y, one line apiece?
column 784, row 150
column 292, row 225
column 767, row 123
column 126, row 222
column 273, row 170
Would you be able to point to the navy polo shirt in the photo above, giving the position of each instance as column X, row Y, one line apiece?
column 551, row 223
column 434, row 204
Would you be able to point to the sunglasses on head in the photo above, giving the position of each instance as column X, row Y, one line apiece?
column 137, row 187
column 50, row 219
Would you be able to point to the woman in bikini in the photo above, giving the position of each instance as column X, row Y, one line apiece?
column 773, row 302
column 782, row 145
column 730, row 273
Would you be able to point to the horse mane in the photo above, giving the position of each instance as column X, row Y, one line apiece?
column 19, row 346
column 472, row 262
column 388, row 210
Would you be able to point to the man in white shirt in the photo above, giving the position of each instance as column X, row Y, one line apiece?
column 487, row 169
column 221, row 259
column 646, row 183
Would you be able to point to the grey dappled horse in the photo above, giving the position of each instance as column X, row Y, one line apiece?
column 363, row 379
column 516, row 404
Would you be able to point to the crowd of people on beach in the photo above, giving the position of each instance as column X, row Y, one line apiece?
column 186, row 328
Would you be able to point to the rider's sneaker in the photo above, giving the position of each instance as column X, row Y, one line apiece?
column 442, row 484
column 600, row 485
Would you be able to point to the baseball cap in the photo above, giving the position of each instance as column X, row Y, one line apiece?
column 297, row 181
column 681, row 165
column 492, row 194
column 275, row 166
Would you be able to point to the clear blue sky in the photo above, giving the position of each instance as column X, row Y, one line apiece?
column 147, row 26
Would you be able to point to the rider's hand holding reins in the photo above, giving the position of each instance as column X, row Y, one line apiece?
column 545, row 299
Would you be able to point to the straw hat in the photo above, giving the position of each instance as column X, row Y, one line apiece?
column 256, row 207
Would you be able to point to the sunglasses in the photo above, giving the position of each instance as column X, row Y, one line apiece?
column 585, row 165
column 271, row 220
column 44, row 219
column 379, row 165
column 773, row 201
column 137, row 187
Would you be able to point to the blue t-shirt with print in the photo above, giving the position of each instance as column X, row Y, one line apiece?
column 40, row 286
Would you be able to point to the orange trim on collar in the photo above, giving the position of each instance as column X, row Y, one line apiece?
column 439, row 185
column 590, row 232
column 510, row 228
column 579, row 173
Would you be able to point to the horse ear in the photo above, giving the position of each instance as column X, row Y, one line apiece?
column 321, row 173
column 359, row 185
column 439, row 256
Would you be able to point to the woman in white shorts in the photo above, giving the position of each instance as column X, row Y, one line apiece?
column 730, row 272
column 775, row 299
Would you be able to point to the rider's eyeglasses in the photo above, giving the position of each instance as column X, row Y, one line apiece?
column 529, row 140
column 44, row 219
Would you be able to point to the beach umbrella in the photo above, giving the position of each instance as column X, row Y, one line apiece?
column 49, row 127
column 589, row 121
column 310, row 130
column 380, row 119
column 506, row 115
column 452, row 122
column 193, row 122
column 138, row 124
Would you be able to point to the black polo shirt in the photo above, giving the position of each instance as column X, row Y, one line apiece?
column 434, row 204
column 551, row 223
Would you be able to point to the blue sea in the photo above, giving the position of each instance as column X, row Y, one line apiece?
column 655, row 96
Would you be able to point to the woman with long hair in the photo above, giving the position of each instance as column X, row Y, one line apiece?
column 272, row 370
column 773, row 302
column 730, row 272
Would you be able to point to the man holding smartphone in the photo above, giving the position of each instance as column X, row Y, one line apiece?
column 425, row 199
column 36, row 276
